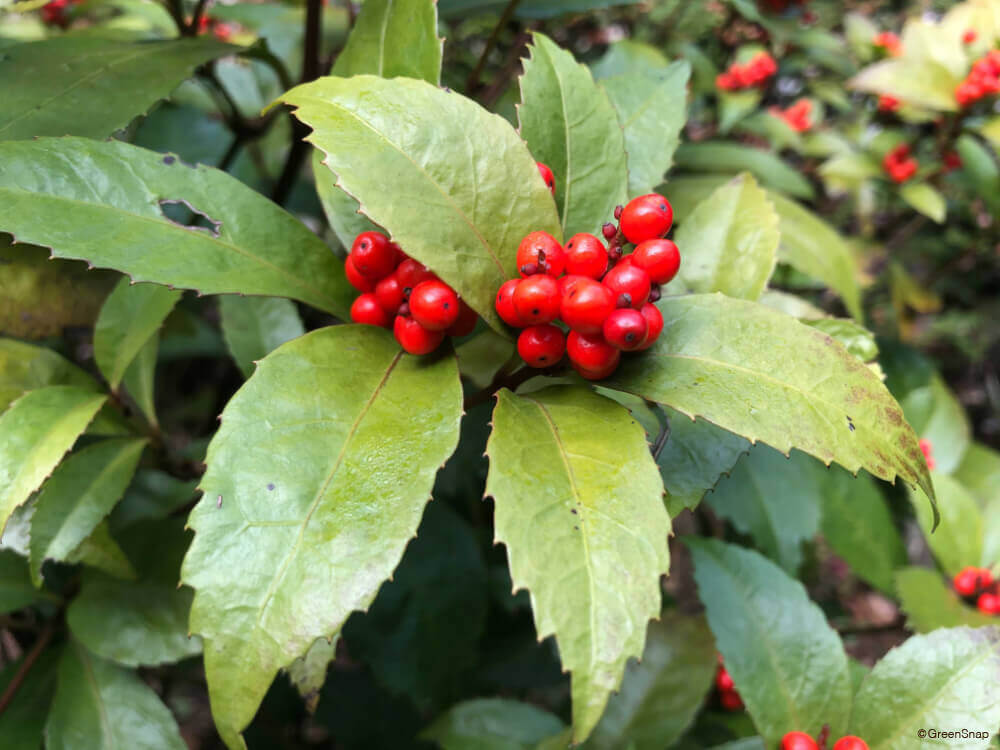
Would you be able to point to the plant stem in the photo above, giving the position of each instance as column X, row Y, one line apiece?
column 29, row 661
column 473, row 80
column 199, row 11
column 502, row 79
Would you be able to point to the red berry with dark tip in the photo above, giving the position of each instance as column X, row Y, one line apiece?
column 550, row 179
column 969, row 581
column 654, row 325
column 625, row 329
column 374, row 255
column 850, row 743
column 413, row 337
column 798, row 741
column 536, row 299
column 660, row 259
column 723, row 680
column 542, row 345
column 540, row 252
column 590, row 352
column 646, row 218
column 389, row 293
column 598, row 374
column 434, row 305
column 505, row 304
column 568, row 282
column 988, row 603
column 355, row 278
column 586, row 256
column 466, row 322
column 586, row 305
column 412, row 272
column 367, row 311
column 627, row 280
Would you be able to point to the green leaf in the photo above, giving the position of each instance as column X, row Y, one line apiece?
column 132, row 314
column 763, row 375
column 930, row 603
column 945, row 680
column 342, row 211
column 446, row 200
column 102, row 706
column 492, row 724
column 272, row 532
column 730, row 241
column 586, row 536
column 938, row 416
column 813, row 247
column 858, row 340
column 773, row 498
column 22, row 724
column 153, row 494
column 696, row 455
column 481, row 356
column 140, row 378
column 629, row 56
column 35, row 433
column 77, row 497
column 957, row 541
column 652, row 109
column 925, row 199
column 16, row 590
column 858, row 526
column 393, row 38
column 91, row 86
column 142, row 622
column 660, row 694
column 100, row 550
column 308, row 673
column 717, row 156
column 255, row 326
column 51, row 187
column 24, row 367
column 734, row 106
column 687, row 191
column 570, row 125
column 979, row 163
column 788, row 664
column 980, row 473
column 920, row 83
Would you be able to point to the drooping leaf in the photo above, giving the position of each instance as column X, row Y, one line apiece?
column 446, row 200
column 717, row 156
column 255, row 326
column 773, row 498
column 310, row 541
column 944, row 679
column 492, row 724
column 763, row 375
column 929, row 603
column 22, row 724
column 661, row 693
column 102, row 706
column 24, row 367
column 77, row 497
column 957, row 541
column 652, row 109
column 132, row 314
column 696, row 455
column 858, row 526
column 570, row 125
column 788, row 664
column 123, row 194
column 35, row 433
column 729, row 242
column 89, row 85
column 308, row 673
column 587, row 536
column 393, row 38
column 925, row 199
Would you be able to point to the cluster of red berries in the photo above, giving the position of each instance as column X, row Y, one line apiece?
column 798, row 116
column 899, row 164
column 889, row 42
column 220, row 30
column 728, row 697
column 754, row 73
column 605, row 299
column 56, row 13
column 400, row 293
column 978, row 584
column 802, row 741
column 983, row 80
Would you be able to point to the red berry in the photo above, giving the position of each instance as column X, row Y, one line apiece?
column 354, row 277
column 731, row 700
column 646, row 218
column 568, row 282
column 599, row 374
column 550, row 179
column 374, row 255
column 723, row 680
column 536, row 299
column 413, row 337
column 586, row 305
column 927, row 448
column 625, row 329
column 629, row 285
column 434, row 305
column 540, row 252
column 654, row 324
column 389, row 293
column 988, row 603
column 412, row 272
column 798, row 741
column 541, row 346
column 660, row 259
column 590, row 352
column 850, row 743
column 586, row 256
column 967, row 581
column 367, row 310
column 466, row 322
column 505, row 304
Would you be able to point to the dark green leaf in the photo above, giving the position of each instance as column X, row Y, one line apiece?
column 930, row 603
column 393, row 38
column 100, row 550
column 256, row 326
column 492, row 724
column 716, row 156
column 16, row 590
column 22, row 723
